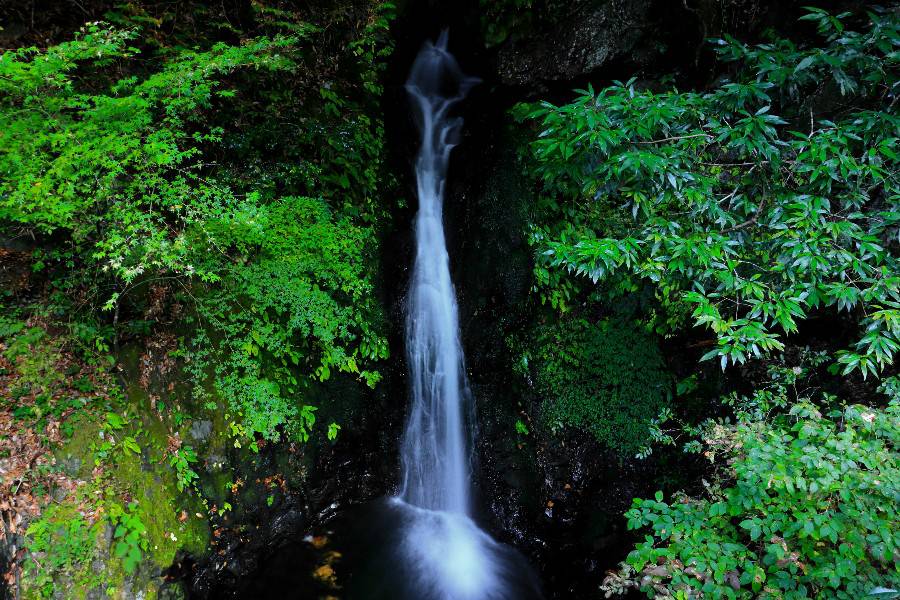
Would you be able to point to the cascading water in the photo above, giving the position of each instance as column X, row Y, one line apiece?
column 448, row 557
column 423, row 544
column 435, row 448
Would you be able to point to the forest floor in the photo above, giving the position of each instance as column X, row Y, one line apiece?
column 44, row 385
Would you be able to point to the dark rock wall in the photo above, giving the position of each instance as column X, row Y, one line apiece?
column 589, row 36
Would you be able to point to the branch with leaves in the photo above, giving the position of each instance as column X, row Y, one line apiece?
column 741, row 220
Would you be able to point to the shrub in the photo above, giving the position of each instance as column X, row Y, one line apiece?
column 153, row 160
column 745, row 207
column 607, row 378
column 809, row 510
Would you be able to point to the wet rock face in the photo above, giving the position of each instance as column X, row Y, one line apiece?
column 239, row 556
column 318, row 481
column 587, row 38
column 559, row 498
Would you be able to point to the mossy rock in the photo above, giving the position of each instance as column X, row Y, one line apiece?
column 608, row 378
column 75, row 542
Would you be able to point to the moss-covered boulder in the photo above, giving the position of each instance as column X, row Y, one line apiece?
column 119, row 531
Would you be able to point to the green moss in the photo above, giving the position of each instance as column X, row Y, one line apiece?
column 139, row 484
column 67, row 544
column 607, row 378
column 36, row 358
column 76, row 455
column 159, row 505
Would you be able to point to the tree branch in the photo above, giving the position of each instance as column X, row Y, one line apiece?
column 751, row 221
column 673, row 138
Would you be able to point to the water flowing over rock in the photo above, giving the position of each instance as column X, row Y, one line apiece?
column 446, row 555
column 436, row 447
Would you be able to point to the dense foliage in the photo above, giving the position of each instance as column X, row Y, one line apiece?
column 746, row 207
column 803, row 503
column 252, row 197
column 607, row 378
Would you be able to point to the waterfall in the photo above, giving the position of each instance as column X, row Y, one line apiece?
column 436, row 444
column 453, row 558
column 443, row 554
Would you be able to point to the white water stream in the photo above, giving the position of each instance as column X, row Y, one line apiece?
column 451, row 558
column 436, row 444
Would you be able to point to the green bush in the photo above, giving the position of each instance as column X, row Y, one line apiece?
column 745, row 207
column 308, row 302
column 244, row 175
column 66, row 543
column 807, row 508
column 607, row 378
